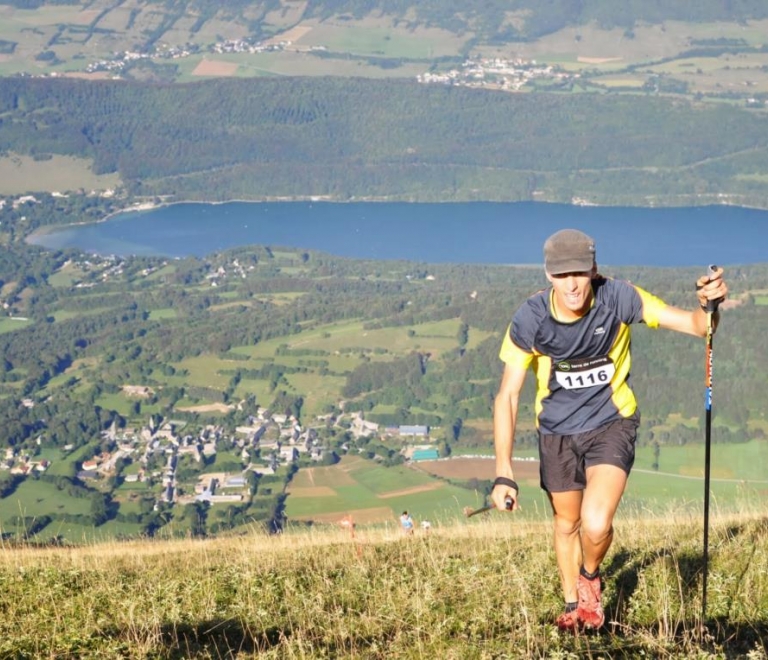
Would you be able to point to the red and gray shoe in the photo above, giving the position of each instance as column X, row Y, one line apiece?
column 569, row 621
column 590, row 609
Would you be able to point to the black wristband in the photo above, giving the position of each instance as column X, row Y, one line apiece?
column 504, row 481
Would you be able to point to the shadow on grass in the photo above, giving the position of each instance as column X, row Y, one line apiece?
column 230, row 639
column 217, row 639
column 719, row 635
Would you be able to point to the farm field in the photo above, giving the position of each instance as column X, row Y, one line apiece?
column 373, row 46
column 372, row 494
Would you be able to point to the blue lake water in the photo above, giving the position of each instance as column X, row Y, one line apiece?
column 475, row 232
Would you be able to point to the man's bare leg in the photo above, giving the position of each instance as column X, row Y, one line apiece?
column 567, row 510
column 605, row 486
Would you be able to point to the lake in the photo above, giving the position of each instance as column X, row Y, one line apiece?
column 473, row 232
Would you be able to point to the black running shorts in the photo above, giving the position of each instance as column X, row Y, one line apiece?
column 565, row 458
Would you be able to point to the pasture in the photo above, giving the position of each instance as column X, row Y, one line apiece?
column 382, row 38
column 34, row 498
column 9, row 324
column 55, row 174
column 334, row 350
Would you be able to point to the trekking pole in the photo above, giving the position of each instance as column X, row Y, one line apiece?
column 711, row 308
column 469, row 511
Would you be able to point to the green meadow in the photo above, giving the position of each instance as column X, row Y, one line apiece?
column 61, row 173
column 373, row 38
column 34, row 498
column 8, row 324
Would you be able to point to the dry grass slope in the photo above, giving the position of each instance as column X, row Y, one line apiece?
column 484, row 590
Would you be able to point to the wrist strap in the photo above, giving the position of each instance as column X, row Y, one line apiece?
column 504, row 481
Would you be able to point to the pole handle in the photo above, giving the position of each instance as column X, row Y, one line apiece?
column 712, row 305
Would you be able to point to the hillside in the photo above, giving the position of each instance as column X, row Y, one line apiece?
column 646, row 104
column 128, row 385
column 487, row 589
column 362, row 139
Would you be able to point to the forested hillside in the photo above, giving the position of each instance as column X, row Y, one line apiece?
column 338, row 138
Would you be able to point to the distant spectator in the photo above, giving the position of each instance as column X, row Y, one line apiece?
column 406, row 522
column 348, row 523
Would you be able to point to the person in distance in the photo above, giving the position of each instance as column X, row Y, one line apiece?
column 575, row 337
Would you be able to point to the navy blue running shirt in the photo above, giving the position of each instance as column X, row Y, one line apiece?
column 582, row 367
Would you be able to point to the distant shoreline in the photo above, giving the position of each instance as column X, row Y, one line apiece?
column 367, row 229
column 153, row 206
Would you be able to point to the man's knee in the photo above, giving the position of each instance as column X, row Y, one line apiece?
column 567, row 526
column 597, row 528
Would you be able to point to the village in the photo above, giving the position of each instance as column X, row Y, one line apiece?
column 153, row 453
column 491, row 73
column 496, row 73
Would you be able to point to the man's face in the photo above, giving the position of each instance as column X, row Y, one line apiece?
column 573, row 292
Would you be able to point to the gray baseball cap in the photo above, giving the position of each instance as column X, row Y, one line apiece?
column 569, row 251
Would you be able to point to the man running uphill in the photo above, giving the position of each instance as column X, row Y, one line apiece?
column 575, row 336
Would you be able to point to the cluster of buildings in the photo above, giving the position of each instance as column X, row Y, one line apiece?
column 121, row 60
column 248, row 45
column 496, row 73
column 21, row 463
column 269, row 441
column 236, row 269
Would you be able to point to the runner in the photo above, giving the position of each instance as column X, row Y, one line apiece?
column 575, row 337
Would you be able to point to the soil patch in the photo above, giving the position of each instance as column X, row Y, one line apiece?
column 599, row 60
column 359, row 516
column 211, row 407
column 410, row 491
column 141, row 391
column 477, row 468
column 292, row 35
column 215, row 68
column 317, row 491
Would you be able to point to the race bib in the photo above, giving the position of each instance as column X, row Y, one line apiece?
column 584, row 372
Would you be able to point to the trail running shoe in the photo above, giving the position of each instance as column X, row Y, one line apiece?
column 590, row 609
column 568, row 621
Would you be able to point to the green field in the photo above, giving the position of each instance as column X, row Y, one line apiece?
column 382, row 39
column 35, row 498
column 10, row 324
column 60, row 173
column 737, row 462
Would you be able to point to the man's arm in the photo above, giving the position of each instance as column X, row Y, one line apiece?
column 708, row 287
column 505, row 408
